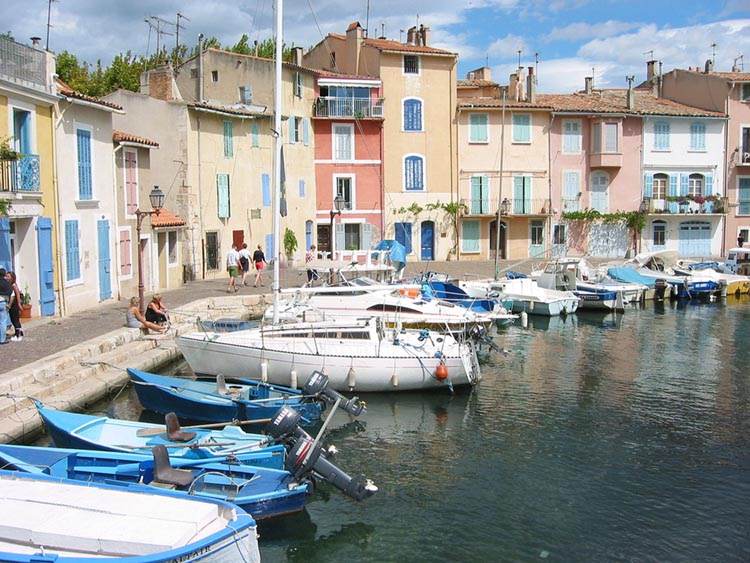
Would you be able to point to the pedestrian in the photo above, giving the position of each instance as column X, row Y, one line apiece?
column 312, row 274
column 135, row 319
column 6, row 290
column 244, row 262
column 233, row 261
column 259, row 259
column 740, row 240
column 15, row 308
column 156, row 312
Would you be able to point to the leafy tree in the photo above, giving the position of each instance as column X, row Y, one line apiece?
column 73, row 73
column 124, row 72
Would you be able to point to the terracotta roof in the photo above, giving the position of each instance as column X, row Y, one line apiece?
column 734, row 76
column 393, row 45
column 121, row 137
column 68, row 92
column 497, row 103
column 166, row 219
column 475, row 83
column 230, row 109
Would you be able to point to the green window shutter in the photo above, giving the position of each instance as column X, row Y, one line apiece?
column 222, row 187
column 228, row 140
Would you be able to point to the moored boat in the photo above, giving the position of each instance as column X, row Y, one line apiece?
column 525, row 296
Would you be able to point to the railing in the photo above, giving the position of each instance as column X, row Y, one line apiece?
column 349, row 107
column 483, row 206
column 21, row 175
column 21, row 63
column 686, row 207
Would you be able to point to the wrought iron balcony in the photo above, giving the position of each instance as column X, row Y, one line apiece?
column 20, row 175
column 686, row 206
column 349, row 107
column 484, row 206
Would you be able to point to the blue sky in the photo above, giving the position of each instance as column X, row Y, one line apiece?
column 573, row 38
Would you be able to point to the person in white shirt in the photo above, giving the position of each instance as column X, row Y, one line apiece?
column 233, row 260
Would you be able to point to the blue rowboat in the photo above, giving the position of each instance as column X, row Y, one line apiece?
column 262, row 492
column 89, row 432
column 204, row 401
column 46, row 519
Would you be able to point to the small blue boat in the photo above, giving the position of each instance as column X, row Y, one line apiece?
column 203, row 401
column 85, row 431
column 262, row 492
column 49, row 519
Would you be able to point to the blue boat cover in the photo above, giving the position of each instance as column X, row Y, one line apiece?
column 397, row 254
column 511, row 275
column 626, row 274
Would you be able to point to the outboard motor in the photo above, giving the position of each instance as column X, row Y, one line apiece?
column 660, row 289
column 305, row 456
column 317, row 384
column 479, row 335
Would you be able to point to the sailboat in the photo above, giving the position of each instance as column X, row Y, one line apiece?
column 355, row 354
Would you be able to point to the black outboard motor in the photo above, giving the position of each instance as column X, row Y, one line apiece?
column 305, row 456
column 479, row 335
column 317, row 384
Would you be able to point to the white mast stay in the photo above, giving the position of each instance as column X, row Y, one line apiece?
column 277, row 164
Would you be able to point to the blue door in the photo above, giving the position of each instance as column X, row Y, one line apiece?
column 403, row 235
column 428, row 241
column 6, row 260
column 695, row 238
column 105, row 278
column 46, row 271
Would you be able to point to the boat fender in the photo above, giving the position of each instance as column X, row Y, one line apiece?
column 394, row 379
column 351, row 378
column 441, row 371
column 264, row 371
column 293, row 379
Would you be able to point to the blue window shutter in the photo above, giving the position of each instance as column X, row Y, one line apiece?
column 521, row 128
column 470, row 236
column 266, row 186
column 302, row 188
column 661, row 135
column 673, row 184
column 222, row 187
column 228, row 139
column 709, row 185
column 648, row 183
column 72, row 252
column 5, row 256
column 684, row 184
column 84, row 164
column 478, row 128
column 292, row 129
column 414, row 173
column 698, row 136
column 306, row 131
column 270, row 250
column 403, row 235
column 412, row 115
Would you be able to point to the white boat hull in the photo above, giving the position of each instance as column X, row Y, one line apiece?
column 350, row 364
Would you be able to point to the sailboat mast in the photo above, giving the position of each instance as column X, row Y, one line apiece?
column 277, row 164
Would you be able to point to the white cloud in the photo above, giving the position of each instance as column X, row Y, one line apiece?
column 579, row 31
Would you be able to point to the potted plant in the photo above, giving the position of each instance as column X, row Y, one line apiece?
column 25, row 303
column 290, row 245
column 7, row 153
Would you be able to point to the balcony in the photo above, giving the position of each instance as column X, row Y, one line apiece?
column 744, row 159
column 349, row 107
column 21, row 175
column 687, row 206
column 605, row 160
column 485, row 207
column 25, row 66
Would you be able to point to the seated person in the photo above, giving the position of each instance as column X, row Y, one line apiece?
column 135, row 319
column 156, row 312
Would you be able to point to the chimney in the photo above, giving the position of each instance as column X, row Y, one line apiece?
column 589, row 81
column 297, row 53
column 709, row 68
column 425, row 32
column 355, row 36
column 631, row 97
column 35, row 42
column 411, row 36
column 650, row 69
column 161, row 82
column 531, row 87
column 512, row 86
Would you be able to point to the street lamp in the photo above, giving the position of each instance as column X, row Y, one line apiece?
column 157, row 201
column 338, row 204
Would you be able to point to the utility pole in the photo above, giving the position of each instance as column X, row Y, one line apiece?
column 49, row 15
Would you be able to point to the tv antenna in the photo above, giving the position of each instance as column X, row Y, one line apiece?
column 49, row 14
column 713, row 53
column 519, row 58
column 650, row 54
column 155, row 23
column 739, row 59
column 178, row 27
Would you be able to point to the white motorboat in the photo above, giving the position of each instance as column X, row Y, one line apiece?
column 565, row 274
column 523, row 294
column 660, row 265
column 734, row 282
column 357, row 355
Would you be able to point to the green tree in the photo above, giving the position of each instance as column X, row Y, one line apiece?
column 124, row 72
column 73, row 73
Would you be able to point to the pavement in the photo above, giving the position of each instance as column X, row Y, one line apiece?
column 71, row 362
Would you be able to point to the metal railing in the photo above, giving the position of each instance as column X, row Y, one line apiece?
column 484, row 206
column 21, row 63
column 326, row 106
column 21, row 175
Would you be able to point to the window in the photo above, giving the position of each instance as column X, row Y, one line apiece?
column 559, row 234
column 659, row 234
column 469, row 236
column 745, row 92
column 222, row 195
column 660, row 186
column 72, row 251
column 246, row 94
column 193, row 73
column 571, row 189
column 85, row 184
column 478, row 128
column 414, row 173
column 265, row 182
column 255, row 135
column 697, row 136
column 743, row 197
column 571, row 136
column 126, row 254
column 537, row 233
column 661, row 136
column 745, row 148
column 228, row 140
column 604, row 138
column 172, row 246
column 521, row 128
column 130, row 158
column 343, row 142
column 412, row 115
column 214, row 76
column 599, row 185
column 411, row 64
column 345, row 189
column 298, row 85
column 301, row 188
column 480, row 195
column 695, row 185
column 212, row 250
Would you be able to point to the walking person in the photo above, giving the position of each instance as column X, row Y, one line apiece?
column 135, row 319
column 6, row 290
column 312, row 274
column 245, row 262
column 233, row 261
column 15, row 307
column 740, row 240
column 259, row 259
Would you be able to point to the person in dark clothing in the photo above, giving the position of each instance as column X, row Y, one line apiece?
column 740, row 240
column 6, row 290
column 259, row 259
column 15, row 307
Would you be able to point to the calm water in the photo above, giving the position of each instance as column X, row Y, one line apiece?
column 598, row 438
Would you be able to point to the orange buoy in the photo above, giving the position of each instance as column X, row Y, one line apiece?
column 441, row 372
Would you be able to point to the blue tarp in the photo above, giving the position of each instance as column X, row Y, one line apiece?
column 397, row 254
column 626, row 274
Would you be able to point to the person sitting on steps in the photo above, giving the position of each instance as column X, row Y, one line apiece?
column 156, row 312
column 135, row 319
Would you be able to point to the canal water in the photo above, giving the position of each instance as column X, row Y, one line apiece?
column 597, row 438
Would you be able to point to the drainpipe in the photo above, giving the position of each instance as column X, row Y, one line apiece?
column 118, row 258
column 726, row 169
column 56, row 188
column 200, row 201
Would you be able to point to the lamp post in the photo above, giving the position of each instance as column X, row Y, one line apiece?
column 503, row 209
column 157, row 200
column 338, row 204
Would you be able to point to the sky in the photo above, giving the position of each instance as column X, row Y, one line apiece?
column 565, row 40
